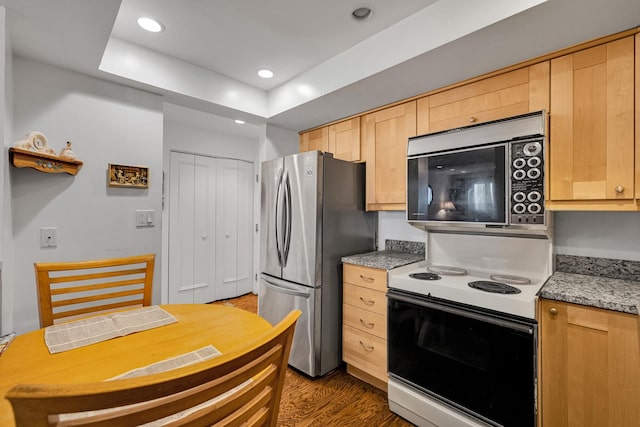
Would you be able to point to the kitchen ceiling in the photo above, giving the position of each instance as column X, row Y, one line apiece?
column 327, row 65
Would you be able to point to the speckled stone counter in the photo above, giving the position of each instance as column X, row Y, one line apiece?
column 397, row 254
column 596, row 282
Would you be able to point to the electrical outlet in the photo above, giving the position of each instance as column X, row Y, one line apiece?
column 49, row 237
column 145, row 218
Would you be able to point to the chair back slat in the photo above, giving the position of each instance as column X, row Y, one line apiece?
column 242, row 386
column 67, row 290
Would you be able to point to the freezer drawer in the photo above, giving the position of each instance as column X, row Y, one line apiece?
column 276, row 298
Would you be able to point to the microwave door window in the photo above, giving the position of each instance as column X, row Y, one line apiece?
column 468, row 186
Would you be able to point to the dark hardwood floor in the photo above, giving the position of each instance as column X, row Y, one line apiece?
column 336, row 399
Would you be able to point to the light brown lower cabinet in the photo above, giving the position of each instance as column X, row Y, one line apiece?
column 364, row 324
column 590, row 366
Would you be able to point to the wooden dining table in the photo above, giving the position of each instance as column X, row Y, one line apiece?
column 27, row 359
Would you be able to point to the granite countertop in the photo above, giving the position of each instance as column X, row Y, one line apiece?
column 595, row 282
column 396, row 254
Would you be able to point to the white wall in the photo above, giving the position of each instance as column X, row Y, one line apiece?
column 393, row 225
column 198, row 140
column 6, row 114
column 106, row 123
column 598, row 234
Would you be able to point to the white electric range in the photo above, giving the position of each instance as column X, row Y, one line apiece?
column 462, row 331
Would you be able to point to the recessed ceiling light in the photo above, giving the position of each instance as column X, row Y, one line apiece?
column 265, row 74
column 362, row 13
column 240, row 122
column 150, row 24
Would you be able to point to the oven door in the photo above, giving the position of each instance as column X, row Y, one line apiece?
column 480, row 363
column 462, row 186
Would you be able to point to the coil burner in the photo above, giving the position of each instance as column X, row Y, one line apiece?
column 446, row 270
column 494, row 287
column 425, row 276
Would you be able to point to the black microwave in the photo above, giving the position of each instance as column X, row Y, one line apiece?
column 485, row 177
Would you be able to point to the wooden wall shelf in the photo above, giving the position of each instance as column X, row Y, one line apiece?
column 21, row 158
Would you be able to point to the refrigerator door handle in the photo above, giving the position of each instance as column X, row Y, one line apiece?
column 278, row 219
column 280, row 287
column 288, row 208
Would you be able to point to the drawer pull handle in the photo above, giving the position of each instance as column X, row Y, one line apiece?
column 619, row 189
column 367, row 301
column 472, row 119
column 367, row 324
column 553, row 311
column 367, row 279
column 366, row 347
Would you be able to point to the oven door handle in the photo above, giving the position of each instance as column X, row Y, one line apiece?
column 471, row 314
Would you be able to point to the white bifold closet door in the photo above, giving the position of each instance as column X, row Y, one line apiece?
column 234, row 248
column 210, row 223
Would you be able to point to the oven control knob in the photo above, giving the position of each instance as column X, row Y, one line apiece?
column 519, row 163
column 534, row 196
column 534, row 208
column 519, row 208
column 533, row 173
column 534, row 162
column 519, row 174
column 532, row 149
column 519, row 197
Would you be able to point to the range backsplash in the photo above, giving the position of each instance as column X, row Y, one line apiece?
column 603, row 267
column 405, row 246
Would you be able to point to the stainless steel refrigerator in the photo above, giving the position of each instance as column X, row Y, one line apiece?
column 312, row 214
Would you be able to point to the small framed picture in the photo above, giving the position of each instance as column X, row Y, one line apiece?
column 128, row 176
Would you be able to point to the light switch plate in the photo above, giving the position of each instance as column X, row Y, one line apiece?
column 145, row 218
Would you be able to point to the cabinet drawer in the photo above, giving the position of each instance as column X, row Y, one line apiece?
column 372, row 278
column 365, row 298
column 365, row 351
column 364, row 320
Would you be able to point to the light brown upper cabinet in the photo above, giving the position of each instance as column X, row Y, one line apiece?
column 591, row 139
column 508, row 94
column 317, row 139
column 385, row 134
column 344, row 140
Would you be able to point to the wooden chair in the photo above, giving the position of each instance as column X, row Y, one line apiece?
column 245, row 385
column 77, row 289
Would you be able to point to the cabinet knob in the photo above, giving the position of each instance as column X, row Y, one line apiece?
column 553, row 311
column 619, row 189
column 472, row 119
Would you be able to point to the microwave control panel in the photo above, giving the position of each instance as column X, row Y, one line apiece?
column 527, row 182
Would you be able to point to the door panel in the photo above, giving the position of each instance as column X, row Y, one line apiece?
column 234, row 221
column 277, row 299
column 303, row 178
column 271, row 173
column 191, row 229
column 244, row 232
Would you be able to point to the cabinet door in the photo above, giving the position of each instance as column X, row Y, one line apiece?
column 637, row 82
column 344, row 140
column 317, row 139
column 591, row 142
column 509, row 94
column 590, row 362
column 385, row 134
